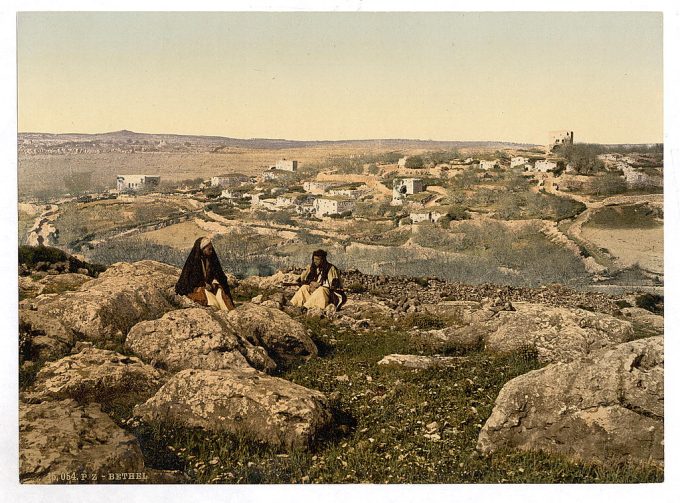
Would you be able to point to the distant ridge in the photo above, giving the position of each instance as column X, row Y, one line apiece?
column 220, row 142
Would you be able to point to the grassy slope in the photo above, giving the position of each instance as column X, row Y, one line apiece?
column 383, row 416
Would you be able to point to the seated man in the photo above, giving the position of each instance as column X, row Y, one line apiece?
column 202, row 278
column 320, row 285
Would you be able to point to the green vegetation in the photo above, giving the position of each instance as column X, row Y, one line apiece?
column 414, row 162
column 31, row 255
column 634, row 216
column 650, row 302
column 385, row 425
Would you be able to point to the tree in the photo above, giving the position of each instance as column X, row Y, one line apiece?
column 414, row 162
column 608, row 184
column 583, row 157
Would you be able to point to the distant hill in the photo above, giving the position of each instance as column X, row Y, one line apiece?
column 130, row 137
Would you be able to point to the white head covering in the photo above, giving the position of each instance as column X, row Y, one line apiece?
column 205, row 242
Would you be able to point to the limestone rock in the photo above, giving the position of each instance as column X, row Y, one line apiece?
column 448, row 339
column 605, row 407
column 652, row 322
column 59, row 438
column 242, row 402
column 195, row 338
column 63, row 282
column 284, row 338
column 96, row 375
column 103, row 309
column 419, row 362
column 557, row 333
column 273, row 282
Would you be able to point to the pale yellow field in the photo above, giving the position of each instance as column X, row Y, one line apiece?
column 630, row 246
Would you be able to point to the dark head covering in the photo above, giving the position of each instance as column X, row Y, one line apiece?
column 192, row 273
column 323, row 268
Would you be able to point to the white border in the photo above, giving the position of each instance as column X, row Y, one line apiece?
column 284, row 493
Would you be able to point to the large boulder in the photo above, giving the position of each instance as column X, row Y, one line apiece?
column 102, row 310
column 61, row 440
column 242, row 402
column 606, row 407
column 556, row 333
column 195, row 338
column 96, row 375
column 284, row 338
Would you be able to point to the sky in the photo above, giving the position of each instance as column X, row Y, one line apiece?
column 330, row 75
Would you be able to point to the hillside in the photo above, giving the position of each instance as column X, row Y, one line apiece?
column 414, row 380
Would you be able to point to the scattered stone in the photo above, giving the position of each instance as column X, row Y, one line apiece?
column 556, row 333
column 419, row 362
column 606, row 407
column 196, row 338
column 249, row 403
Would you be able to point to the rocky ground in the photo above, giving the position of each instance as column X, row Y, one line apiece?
column 414, row 380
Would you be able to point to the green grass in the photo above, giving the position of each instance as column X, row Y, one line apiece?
column 381, row 425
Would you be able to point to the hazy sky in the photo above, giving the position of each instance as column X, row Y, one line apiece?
column 445, row 76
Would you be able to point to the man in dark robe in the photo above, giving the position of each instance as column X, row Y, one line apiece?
column 202, row 278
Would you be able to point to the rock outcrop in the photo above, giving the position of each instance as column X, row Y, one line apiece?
column 96, row 375
column 51, row 283
column 606, row 407
column 197, row 338
column 102, row 310
column 248, row 403
column 556, row 333
column 284, row 338
column 652, row 322
column 58, row 440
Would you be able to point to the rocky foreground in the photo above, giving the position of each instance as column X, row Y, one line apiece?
column 124, row 339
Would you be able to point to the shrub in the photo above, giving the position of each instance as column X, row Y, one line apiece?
column 650, row 302
column 414, row 162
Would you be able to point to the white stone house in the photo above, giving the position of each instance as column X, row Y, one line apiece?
column 232, row 194
column 324, row 206
column 402, row 162
column 134, row 183
column 286, row 165
column 402, row 187
column 425, row 216
column 543, row 166
column 349, row 193
column 229, row 180
column 317, row 188
column 558, row 138
column 486, row 165
column 285, row 200
column 518, row 161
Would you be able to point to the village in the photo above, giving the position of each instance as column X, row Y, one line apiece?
column 418, row 188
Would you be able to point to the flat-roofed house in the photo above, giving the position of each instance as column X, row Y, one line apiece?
column 229, row 180
column 286, row 165
column 403, row 187
column 332, row 206
column 518, row 161
column 134, row 183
